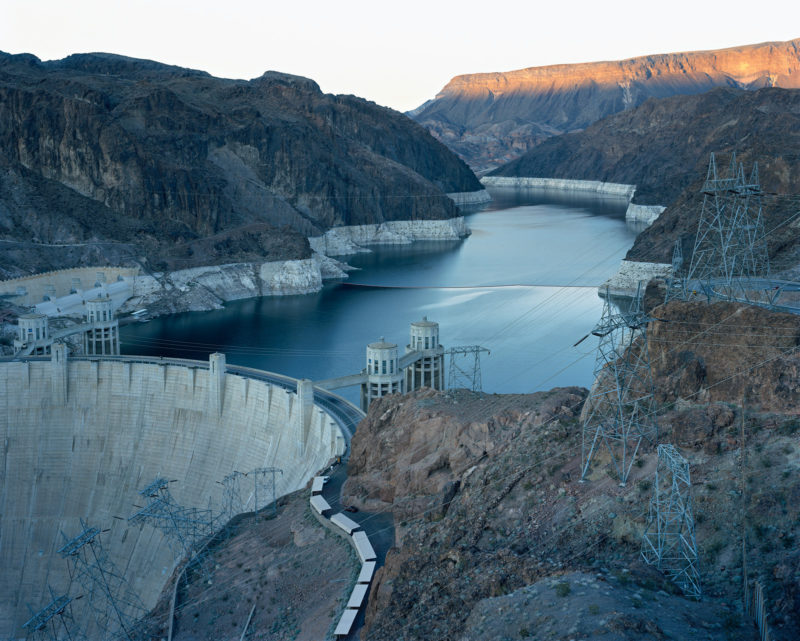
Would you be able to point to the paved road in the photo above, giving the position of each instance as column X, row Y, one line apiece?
column 771, row 288
column 379, row 526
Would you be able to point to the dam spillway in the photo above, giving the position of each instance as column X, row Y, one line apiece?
column 81, row 436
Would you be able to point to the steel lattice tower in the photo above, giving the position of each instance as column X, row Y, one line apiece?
column 115, row 606
column 730, row 244
column 183, row 525
column 232, row 494
column 669, row 542
column 466, row 376
column 263, row 482
column 44, row 623
column 234, row 489
column 621, row 406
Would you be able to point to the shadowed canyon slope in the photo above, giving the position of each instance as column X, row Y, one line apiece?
column 497, row 539
column 174, row 164
column 663, row 147
column 491, row 118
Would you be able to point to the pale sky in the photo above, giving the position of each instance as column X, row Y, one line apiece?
column 398, row 54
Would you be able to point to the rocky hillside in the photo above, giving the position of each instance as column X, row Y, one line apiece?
column 109, row 159
column 663, row 147
column 497, row 539
column 492, row 118
column 286, row 575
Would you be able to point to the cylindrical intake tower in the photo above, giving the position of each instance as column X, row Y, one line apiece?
column 383, row 373
column 31, row 328
column 103, row 337
column 428, row 370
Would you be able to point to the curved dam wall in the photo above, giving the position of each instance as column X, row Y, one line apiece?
column 82, row 436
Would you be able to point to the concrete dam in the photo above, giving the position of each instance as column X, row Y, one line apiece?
column 81, row 436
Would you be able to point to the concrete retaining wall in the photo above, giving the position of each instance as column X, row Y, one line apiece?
column 616, row 190
column 62, row 281
column 121, row 425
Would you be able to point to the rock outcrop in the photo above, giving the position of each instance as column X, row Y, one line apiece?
column 112, row 159
column 726, row 352
column 663, row 147
column 496, row 538
column 491, row 118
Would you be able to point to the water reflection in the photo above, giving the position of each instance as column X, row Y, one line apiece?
column 523, row 285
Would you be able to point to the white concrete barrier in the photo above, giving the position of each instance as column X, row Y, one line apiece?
column 317, row 484
column 345, row 623
column 367, row 570
column 357, row 596
column 346, row 524
column 320, row 504
column 363, row 547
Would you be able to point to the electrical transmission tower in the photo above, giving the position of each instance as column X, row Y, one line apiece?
column 44, row 623
column 182, row 525
column 263, row 482
column 730, row 250
column 467, row 375
column 115, row 606
column 621, row 406
column 668, row 542
column 237, row 493
column 232, row 502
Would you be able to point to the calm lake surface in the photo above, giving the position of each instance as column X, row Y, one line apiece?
column 523, row 285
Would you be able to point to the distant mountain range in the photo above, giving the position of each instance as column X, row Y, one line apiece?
column 113, row 157
column 492, row 118
column 663, row 147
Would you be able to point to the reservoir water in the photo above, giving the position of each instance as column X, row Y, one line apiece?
column 523, row 285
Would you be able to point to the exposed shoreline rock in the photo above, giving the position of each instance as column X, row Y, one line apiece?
column 470, row 198
column 210, row 287
column 206, row 288
column 643, row 213
column 597, row 187
column 630, row 273
column 343, row 241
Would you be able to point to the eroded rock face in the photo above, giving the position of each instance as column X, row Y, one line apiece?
column 191, row 169
column 663, row 147
column 726, row 352
column 495, row 537
column 492, row 118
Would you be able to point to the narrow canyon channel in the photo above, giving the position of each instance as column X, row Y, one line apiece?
column 523, row 285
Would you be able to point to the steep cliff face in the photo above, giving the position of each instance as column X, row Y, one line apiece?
column 491, row 118
column 98, row 147
column 496, row 536
column 663, row 147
